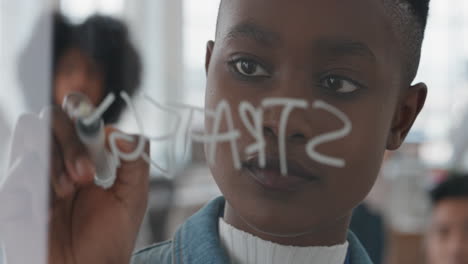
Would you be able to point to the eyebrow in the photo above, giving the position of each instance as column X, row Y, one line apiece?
column 252, row 31
column 334, row 46
column 338, row 47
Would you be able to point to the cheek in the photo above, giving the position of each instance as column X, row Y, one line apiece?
column 95, row 91
column 221, row 86
column 362, row 150
column 365, row 152
column 435, row 250
column 216, row 91
column 60, row 89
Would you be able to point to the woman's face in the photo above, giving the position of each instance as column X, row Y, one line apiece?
column 77, row 72
column 332, row 51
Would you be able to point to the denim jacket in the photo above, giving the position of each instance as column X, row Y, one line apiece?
column 197, row 242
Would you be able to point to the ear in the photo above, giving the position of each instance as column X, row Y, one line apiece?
column 209, row 52
column 410, row 105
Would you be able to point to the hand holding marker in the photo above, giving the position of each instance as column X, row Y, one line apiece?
column 90, row 129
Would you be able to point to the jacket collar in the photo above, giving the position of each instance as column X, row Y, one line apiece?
column 357, row 253
column 197, row 240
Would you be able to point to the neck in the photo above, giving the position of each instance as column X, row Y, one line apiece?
column 329, row 234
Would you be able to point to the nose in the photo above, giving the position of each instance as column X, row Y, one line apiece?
column 79, row 79
column 288, row 113
column 292, row 126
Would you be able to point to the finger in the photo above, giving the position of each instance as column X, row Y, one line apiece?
column 132, row 182
column 132, row 175
column 130, row 150
column 75, row 156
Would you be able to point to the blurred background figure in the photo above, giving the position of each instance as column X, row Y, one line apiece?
column 406, row 206
column 447, row 235
column 95, row 58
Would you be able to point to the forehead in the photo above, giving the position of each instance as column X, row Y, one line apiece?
column 453, row 209
column 365, row 14
column 303, row 22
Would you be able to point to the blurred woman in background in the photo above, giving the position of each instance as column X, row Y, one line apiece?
column 95, row 58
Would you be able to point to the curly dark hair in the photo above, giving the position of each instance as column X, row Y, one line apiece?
column 102, row 38
column 107, row 42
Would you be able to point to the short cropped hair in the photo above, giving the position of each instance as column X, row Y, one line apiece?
column 456, row 186
column 409, row 20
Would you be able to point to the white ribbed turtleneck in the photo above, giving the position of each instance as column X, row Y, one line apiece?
column 244, row 248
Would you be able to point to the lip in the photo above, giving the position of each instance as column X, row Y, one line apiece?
column 270, row 177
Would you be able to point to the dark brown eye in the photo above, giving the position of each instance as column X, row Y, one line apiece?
column 339, row 85
column 334, row 83
column 250, row 68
